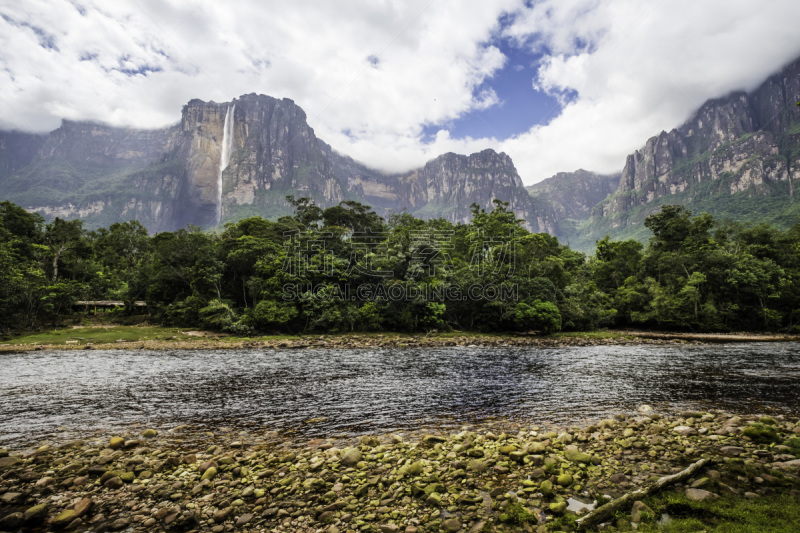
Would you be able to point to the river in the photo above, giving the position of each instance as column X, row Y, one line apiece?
column 316, row 393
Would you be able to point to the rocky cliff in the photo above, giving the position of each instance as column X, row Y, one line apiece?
column 446, row 187
column 572, row 195
column 17, row 150
column 225, row 161
column 731, row 158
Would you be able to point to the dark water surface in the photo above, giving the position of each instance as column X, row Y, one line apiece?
column 378, row 390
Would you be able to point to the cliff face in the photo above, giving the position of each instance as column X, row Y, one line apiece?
column 572, row 195
column 17, row 150
column 746, row 145
column 203, row 172
column 447, row 186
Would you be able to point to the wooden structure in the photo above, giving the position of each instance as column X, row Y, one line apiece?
column 92, row 306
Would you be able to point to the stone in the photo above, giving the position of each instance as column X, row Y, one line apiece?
column 7, row 462
column 684, row 430
column 451, row 525
column 517, row 456
column 244, row 519
column 10, row 497
column 83, row 507
column 286, row 458
column 576, row 456
column 120, row 523
column 732, row 450
column 565, row 480
column 564, row 438
column 11, row 521
column 350, row 456
column 222, row 514
column 434, row 498
column 44, row 482
column 640, row 511
column 64, row 519
column 368, row 440
column 476, row 465
column 618, row 478
column 115, row 443
column 114, row 483
column 149, row 433
column 127, row 477
column 209, row 474
column 389, row 528
column 699, row 495
column 788, row 465
column 414, row 469
column 537, row 447
column 558, row 507
column 37, row 513
column 546, row 488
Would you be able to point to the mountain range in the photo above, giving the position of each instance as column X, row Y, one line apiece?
column 737, row 157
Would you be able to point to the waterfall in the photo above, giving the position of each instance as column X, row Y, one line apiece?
column 225, row 158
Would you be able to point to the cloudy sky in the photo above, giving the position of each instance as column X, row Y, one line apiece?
column 556, row 84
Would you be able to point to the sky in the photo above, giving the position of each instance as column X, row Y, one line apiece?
column 556, row 84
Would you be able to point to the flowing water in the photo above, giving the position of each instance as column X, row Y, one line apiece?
column 225, row 156
column 351, row 392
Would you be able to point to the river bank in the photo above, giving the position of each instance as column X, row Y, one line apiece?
column 490, row 477
column 110, row 337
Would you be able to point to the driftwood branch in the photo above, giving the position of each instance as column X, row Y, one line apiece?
column 606, row 511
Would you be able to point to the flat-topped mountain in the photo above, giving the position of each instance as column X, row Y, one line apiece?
column 226, row 161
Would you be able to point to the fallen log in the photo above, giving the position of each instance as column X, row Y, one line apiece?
column 606, row 511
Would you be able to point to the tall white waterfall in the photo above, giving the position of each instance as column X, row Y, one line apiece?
column 225, row 158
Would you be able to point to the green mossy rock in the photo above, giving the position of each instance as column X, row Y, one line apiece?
column 565, row 480
column 209, row 474
column 37, row 513
column 577, row 456
column 64, row 519
column 351, row 456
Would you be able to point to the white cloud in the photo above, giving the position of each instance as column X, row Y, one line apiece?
column 381, row 70
column 639, row 68
column 372, row 74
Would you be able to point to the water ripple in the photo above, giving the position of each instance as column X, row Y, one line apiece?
column 362, row 391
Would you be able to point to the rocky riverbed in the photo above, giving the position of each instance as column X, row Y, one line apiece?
column 493, row 477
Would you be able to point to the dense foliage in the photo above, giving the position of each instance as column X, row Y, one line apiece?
column 344, row 268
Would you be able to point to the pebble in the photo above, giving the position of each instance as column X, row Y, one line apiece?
column 429, row 481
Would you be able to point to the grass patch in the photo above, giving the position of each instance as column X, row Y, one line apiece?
column 599, row 334
column 773, row 513
column 99, row 335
